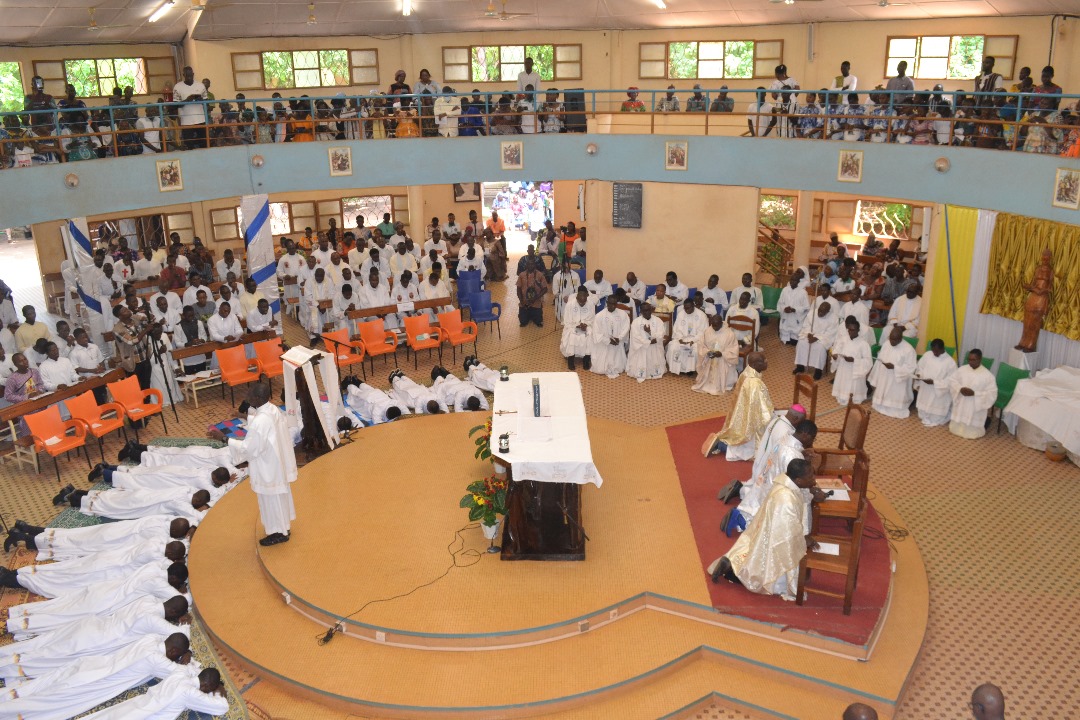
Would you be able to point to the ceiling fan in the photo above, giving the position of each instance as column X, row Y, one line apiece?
column 493, row 14
column 93, row 26
column 790, row 2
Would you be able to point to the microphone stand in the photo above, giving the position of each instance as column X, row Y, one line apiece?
column 168, row 385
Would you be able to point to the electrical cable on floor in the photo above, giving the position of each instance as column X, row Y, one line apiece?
column 893, row 533
column 455, row 557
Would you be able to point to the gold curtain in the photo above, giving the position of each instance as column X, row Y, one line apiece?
column 1015, row 252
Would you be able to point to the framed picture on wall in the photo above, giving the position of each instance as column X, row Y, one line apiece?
column 1067, row 189
column 850, row 166
column 676, row 155
column 169, row 177
column 511, row 155
column 467, row 192
column 340, row 161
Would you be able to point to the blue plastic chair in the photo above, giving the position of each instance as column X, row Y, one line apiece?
column 650, row 290
column 482, row 310
column 581, row 274
column 468, row 284
column 690, row 292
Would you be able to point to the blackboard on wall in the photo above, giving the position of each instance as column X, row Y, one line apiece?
column 626, row 205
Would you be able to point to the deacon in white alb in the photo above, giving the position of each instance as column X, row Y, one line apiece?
column 816, row 337
column 121, row 504
column 420, row 399
column 268, row 449
column 891, row 376
column 577, row 319
column 64, row 543
column 852, row 361
column 686, row 335
column 481, row 375
column 905, row 311
column 793, row 305
column 932, row 374
column 974, row 391
column 178, row 692
column 717, row 359
column 610, row 329
column 373, row 406
column 646, row 358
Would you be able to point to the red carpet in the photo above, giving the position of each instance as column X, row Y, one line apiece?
column 701, row 479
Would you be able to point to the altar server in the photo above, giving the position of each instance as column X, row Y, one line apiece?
column 973, row 391
column 646, row 358
column 891, row 376
column 932, row 374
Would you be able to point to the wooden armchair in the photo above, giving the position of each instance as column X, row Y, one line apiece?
column 846, row 563
column 744, row 324
column 806, row 394
column 852, row 436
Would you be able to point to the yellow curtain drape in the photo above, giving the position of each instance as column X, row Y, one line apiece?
column 962, row 224
column 1017, row 246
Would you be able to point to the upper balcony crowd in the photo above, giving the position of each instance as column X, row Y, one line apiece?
column 1029, row 117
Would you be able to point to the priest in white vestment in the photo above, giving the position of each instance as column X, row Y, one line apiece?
column 610, row 329
column 577, row 319
column 932, row 374
column 753, row 407
column 793, row 305
column 852, row 361
column 791, row 447
column 178, row 692
column 974, row 391
column 765, row 559
column 89, row 681
column 268, row 450
column 646, row 358
column 856, row 308
column 743, row 308
column 373, row 406
column 815, row 338
column 686, row 334
column 717, row 359
column 905, row 311
column 891, row 376
column 42, row 653
column 99, row 599
column 120, row 504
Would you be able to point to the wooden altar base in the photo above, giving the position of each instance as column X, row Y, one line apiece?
column 543, row 521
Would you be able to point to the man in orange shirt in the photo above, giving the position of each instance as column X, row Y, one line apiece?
column 496, row 225
column 569, row 237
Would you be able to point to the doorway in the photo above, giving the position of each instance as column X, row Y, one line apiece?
column 523, row 206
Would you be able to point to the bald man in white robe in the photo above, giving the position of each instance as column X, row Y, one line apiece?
column 610, row 329
column 202, row 456
column 420, row 399
column 169, row 477
column 974, row 390
column 905, row 312
column 891, row 376
column 646, row 360
column 577, row 319
column 62, row 543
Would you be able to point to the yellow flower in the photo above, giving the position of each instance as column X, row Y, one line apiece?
column 478, row 500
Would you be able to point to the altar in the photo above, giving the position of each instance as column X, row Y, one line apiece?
column 549, row 458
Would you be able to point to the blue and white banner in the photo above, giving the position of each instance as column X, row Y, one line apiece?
column 77, row 238
column 259, row 244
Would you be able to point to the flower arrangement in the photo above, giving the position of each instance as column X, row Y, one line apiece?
column 483, row 441
column 485, row 499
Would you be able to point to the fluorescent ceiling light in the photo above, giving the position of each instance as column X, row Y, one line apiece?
column 660, row 4
column 160, row 12
column 406, row 7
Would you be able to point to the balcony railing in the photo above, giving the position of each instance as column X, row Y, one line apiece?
column 1032, row 122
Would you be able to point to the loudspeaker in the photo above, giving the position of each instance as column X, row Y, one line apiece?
column 574, row 104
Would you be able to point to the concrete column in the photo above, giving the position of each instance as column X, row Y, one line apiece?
column 804, row 218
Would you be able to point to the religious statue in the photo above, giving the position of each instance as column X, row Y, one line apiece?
column 1037, row 303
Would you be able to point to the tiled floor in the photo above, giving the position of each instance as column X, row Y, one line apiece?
column 996, row 522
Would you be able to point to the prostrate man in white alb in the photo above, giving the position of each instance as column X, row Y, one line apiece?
column 932, row 374
column 63, row 543
column 267, row 448
column 973, row 391
column 455, row 392
column 421, row 400
column 165, row 477
column 373, row 406
column 577, row 319
column 177, row 692
column 91, row 636
column 793, row 305
column 480, row 375
column 852, row 360
column 765, row 559
column 86, row 682
column 202, row 456
column 891, row 376
column 610, row 329
column 100, row 598
column 119, row 504
column 717, row 359
column 686, row 335
column 647, row 335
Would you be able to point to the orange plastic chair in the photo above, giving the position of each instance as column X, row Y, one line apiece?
column 346, row 352
column 377, row 340
column 236, row 369
column 268, row 354
column 46, row 426
column 84, row 407
column 457, row 332
column 417, row 327
column 127, row 394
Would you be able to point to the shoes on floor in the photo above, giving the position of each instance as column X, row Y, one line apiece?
column 274, row 539
column 61, row 497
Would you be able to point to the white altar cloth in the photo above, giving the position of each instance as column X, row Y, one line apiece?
column 553, row 447
column 1051, row 402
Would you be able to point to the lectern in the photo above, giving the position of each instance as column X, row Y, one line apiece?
column 548, row 461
